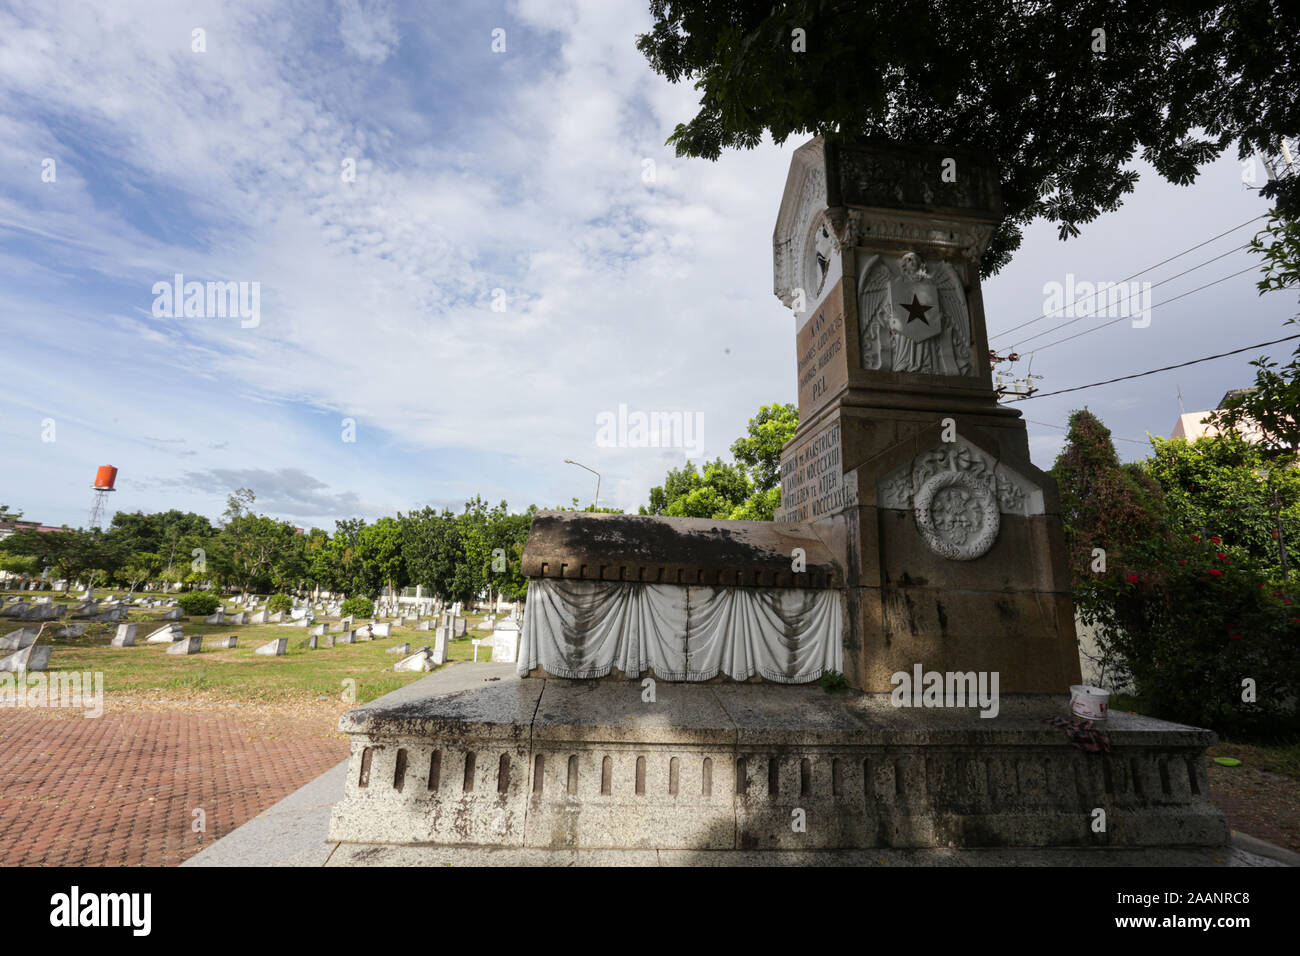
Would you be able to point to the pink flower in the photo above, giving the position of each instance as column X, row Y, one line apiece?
column 1196, row 537
column 1132, row 579
column 1216, row 539
column 1216, row 572
column 1222, row 556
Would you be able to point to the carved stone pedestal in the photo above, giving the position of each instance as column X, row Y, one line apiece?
column 565, row 765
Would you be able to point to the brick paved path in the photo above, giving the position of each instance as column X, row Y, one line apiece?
column 121, row 789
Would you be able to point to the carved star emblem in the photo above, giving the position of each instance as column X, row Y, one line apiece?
column 915, row 310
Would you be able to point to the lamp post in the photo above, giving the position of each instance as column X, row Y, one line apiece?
column 596, row 504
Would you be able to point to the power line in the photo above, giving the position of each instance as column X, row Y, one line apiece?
column 1063, row 428
column 1167, row 368
column 1127, row 298
column 1249, row 268
column 998, row 335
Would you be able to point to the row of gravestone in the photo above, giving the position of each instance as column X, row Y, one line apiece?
column 173, row 635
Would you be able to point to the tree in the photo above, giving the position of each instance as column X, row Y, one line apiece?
column 713, row 492
column 759, row 450
column 316, row 556
column 140, row 567
column 1273, row 405
column 160, row 533
column 1062, row 94
column 379, row 551
column 250, row 547
column 72, row 553
column 432, row 549
column 1104, row 504
column 1223, row 486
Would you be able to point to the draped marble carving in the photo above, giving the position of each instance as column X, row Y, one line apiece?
column 585, row 629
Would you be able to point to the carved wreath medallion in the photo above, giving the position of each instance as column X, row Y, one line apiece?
column 957, row 515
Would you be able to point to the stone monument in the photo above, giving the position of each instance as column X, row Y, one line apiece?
column 670, row 667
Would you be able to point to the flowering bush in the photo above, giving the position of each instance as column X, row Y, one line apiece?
column 1187, row 620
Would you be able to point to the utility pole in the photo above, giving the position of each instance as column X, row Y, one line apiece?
column 1281, row 539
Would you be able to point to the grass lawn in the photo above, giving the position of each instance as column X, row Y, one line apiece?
column 146, row 671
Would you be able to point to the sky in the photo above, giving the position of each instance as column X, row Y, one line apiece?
column 469, row 245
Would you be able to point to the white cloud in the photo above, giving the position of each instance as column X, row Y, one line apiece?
column 367, row 28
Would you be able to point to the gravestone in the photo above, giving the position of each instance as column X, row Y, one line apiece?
column 363, row 633
column 402, row 649
column 320, row 630
column 239, row 619
column 915, row 540
column 33, row 657
column 347, row 622
column 42, row 612
column 421, row 660
column 346, row 637
column 275, row 648
column 17, row 640
column 71, row 630
column 225, row 643
column 166, row 634
column 460, row 624
column 381, row 630
column 185, row 646
column 424, row 625
column 439, row 652
column 125, row 636
column 258, row 618
column 275, row 618
column 310, row 642
column 505, row 642
column 175, row 614
column 217, row 617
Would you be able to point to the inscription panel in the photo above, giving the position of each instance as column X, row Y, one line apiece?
column 812, row 477
column 823, row 360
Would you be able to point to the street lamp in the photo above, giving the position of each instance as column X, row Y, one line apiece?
column 596, row 504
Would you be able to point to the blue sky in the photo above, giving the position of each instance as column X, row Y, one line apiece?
column 476, row 171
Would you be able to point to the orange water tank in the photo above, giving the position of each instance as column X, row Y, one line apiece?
column 105, row 477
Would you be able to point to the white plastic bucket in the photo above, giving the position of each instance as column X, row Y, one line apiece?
column 1089, row 703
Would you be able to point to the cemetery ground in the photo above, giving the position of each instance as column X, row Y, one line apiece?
column 224, row 731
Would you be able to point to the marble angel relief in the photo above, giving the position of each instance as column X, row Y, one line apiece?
column 912, row 319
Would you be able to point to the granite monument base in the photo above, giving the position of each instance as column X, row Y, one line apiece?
column 562, row 764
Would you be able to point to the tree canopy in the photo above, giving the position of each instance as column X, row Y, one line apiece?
column 1062, row 94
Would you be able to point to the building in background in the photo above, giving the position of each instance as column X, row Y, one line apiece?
column 1194, row 425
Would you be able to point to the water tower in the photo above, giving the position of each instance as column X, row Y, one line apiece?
column 105, row 478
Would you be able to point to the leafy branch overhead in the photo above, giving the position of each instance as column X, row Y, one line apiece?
column 1063, row 95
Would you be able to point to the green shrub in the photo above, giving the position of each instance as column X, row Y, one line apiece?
column 198, row 603
column 1188, row 621
column 358, row 607
column 279, row 602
